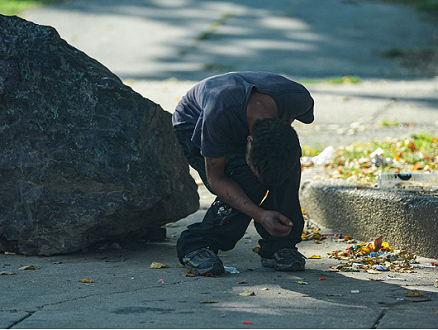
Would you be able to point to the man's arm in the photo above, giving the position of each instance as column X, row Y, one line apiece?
column 231, row 193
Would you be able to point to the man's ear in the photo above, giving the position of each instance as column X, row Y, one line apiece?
column 249, row 138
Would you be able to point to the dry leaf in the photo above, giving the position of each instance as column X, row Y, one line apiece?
column 86, row 280
column 157, row 265
column 30, row 267
column 314, row 257
column 302, row 282
column 376, row 279
column 256, row 249
column 413, row 293
column 264, row 289
column 247, row 293
column 208, row 301
column 7, row 273
column 171, row 225
column 190, row 273
column 241, row 282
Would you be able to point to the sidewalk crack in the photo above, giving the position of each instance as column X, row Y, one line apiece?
column 379, row 318
column 29, row 314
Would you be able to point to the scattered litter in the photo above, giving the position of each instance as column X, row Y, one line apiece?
column 157, row 265
column 264, row 289
column 355, row 291
column 377, row 255
column 376, row 279
column 30, row 267
column 161, row 280
column 373, row 271
column 256, row 249
column 301, row 282
column 231, row 270
column 395, row 278
column 7, row 273
column 86, row 280
column 322, row 278
column 425, row 265
column 247, row 293
column 179, row 266
column 241, row 282
column 11, row 253
column 208, row 301
column 436, row 283
column 247, row 322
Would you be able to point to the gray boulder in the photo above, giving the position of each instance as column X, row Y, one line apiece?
column 84, row 158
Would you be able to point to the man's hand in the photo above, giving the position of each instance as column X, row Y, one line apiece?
column 275, row 223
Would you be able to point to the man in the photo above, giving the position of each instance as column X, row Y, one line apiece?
column 236, row 131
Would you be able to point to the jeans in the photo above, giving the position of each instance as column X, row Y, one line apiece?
column 223, row 226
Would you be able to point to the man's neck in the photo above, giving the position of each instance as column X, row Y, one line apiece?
column 260, row 106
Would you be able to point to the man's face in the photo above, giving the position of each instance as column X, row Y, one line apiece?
column 249, row 140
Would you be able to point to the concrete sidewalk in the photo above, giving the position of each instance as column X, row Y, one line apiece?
column 161, row 48
column 126, row 293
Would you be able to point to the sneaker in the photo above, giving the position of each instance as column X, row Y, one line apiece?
column 203, row 261
column 287, row 259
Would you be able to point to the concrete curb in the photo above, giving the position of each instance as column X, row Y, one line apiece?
column 405, row 219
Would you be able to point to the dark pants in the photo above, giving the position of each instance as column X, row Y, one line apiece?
column 223, row 226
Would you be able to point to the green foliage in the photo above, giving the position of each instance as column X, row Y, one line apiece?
column 15, row 7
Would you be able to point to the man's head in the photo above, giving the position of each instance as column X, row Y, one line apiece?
column 273, row 150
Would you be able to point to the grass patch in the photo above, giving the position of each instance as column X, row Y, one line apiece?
column 15, row 7
column 355, row 163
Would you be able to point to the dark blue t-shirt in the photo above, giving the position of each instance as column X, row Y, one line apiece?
column 215, row 108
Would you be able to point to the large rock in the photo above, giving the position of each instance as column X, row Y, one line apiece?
column 83, row 157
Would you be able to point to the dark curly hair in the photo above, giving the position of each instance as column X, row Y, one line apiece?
column 275, row 150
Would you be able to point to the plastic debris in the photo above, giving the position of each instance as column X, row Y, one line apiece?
column 301, row 282
column 241, row 282
column 247, row 293
column 322, row 278
column 10, row 253
column 231, row 270
column 161, row 280
column 395, row 278
column 355, row 291
column 436, row 283
column 247, row 322
column 425, row 265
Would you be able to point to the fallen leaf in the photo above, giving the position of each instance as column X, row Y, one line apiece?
column 256, row 249
column 190, row 273
column 378, row 243
column 157, row 265
column 7, row 273
column 241, row 282
column 209, row 301
column 264, row 289
column 247, row 293
column 86, row 280
column 376, row 279
column 302, row 282
column 179, row 266
column 314, row 257
column 30, row 267
column 413, row 293
column 171, row 225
